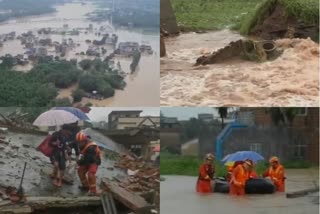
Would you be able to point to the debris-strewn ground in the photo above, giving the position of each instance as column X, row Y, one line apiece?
column 143, row 176
column 290, row 80
column 133, row 174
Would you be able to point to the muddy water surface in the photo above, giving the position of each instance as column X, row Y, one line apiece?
column 178, row 196
column 290, row 80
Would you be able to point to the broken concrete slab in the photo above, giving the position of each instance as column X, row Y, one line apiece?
column 300, row 193
column 36, row 203
column 129, row 199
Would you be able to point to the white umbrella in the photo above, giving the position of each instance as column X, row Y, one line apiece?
column 55, row 118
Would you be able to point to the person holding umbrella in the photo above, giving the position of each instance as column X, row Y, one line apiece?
column 276, row 173
column 240, row 174
column 90, row 159
column 206, row 173
column 59, row 155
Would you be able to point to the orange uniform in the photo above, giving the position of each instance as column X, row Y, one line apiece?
column 206, row 173
column 238, row 180
column 277, row 176
column 88, row 166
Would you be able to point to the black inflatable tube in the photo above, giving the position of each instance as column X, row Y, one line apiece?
column 253, row 186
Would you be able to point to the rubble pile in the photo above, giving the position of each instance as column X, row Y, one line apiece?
column 143, row 177
column 16, row 119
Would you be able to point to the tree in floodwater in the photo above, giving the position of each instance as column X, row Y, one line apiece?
column 135, row 61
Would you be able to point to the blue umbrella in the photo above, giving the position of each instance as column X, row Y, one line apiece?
column 226, row 158
column 76, row 112
column 243, row 155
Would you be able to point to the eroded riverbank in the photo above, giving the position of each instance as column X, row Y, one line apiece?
column 290, row 80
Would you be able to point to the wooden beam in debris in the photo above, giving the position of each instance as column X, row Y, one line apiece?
column 40, row 203
column 131, row 200
column 300, row 193
column 108, row 204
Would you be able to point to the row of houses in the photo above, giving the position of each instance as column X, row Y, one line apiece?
column 297, row 141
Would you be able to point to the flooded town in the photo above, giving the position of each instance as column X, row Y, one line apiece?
column 130, row 53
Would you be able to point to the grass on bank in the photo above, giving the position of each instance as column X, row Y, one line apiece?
column 237, row 14
column 187, row 165
column 306, row 10
column 211, row 14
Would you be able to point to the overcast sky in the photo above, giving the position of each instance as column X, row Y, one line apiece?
column 101, row 113
column 185, row 113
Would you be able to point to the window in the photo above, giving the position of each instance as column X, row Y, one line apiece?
column 302, row 111
column 256, row 147
column 299, row 148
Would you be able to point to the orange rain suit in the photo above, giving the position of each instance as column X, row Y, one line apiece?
column 277, row 176
column 206, row 173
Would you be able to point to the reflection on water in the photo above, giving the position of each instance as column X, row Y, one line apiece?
column 178, row 196
column 140, row 88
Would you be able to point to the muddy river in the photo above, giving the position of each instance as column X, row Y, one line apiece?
column 290, row 80
column 178, row 196
column 140, row 85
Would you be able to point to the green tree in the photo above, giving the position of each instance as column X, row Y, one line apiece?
column 86, row 64
column 77, row 95
column 135, row 61
column 223, row 113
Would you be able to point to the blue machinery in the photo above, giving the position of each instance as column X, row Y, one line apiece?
column 224, row 134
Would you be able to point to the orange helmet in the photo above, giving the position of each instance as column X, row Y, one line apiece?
column 80, row 137
column 274, row 159
column 209, row 156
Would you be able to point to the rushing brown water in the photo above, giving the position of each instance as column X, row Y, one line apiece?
column 290, row 80
column 178, row 196
column 142, row 86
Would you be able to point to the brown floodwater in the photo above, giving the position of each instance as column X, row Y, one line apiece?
column 290, row 80
column 142, row 86
column 178, row 196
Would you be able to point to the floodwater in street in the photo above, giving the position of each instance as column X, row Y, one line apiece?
column 178, row 196
column 140, row 85
column 290, row 80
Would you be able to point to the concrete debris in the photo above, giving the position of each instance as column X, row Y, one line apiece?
column 142, row 178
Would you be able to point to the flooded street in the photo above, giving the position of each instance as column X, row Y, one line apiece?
column 178, row 196
column 290, row 80
column 73, row 16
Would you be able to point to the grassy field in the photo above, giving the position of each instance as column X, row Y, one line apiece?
column 236, row 14
column 186, row 165
column 306, row 10
column 211, row 14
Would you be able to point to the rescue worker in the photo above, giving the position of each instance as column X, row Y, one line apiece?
column 89, row 160
column 240, row 175
column 230, row 169
column 252, row 172
column 72, row 144
column 59, row 156
column 276, row 174
column 206, row 173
